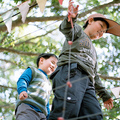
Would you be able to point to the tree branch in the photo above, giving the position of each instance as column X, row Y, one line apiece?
column 109, row 77
column 18, row 52
column 28, row 40
column 8, row 87
column 18, row 22
column 113, row 3
column 8, row 61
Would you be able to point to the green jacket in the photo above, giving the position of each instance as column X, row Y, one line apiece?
column 83, row 53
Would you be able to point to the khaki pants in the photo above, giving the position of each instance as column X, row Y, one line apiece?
column 25, row 112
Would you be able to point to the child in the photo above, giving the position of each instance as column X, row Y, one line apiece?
column 81, row 98
column 34, row 89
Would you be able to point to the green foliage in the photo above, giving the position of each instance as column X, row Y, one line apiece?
column 9, row 41
column 0, row 1
column 92, row 3
column 56, row 7
column 16, row 1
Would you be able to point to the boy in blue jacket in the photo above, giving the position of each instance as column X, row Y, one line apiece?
column 34, row 89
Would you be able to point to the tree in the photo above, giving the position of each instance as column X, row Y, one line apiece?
column 38, row 34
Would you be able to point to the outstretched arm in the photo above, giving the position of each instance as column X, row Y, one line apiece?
column 69, row 23
column 72, row 11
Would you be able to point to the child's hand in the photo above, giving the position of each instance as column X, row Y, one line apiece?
column 108, row 104
column 72, row 11
column 23, row 95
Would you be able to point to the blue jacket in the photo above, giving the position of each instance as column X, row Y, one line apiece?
column 24, row 84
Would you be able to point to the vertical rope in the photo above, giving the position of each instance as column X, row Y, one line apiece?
column 66, row 88
column 68, row 81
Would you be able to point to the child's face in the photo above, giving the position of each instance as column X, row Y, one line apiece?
column 96, row 29
column 48, row 65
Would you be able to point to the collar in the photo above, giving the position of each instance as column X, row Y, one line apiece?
column 43, row 73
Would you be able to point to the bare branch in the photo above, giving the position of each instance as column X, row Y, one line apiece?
column 18, row 52
column 8, row 87
column 8, row 61
column 109, row 77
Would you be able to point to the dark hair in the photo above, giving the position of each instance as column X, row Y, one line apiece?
column 46, row 56
column 97, row 19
